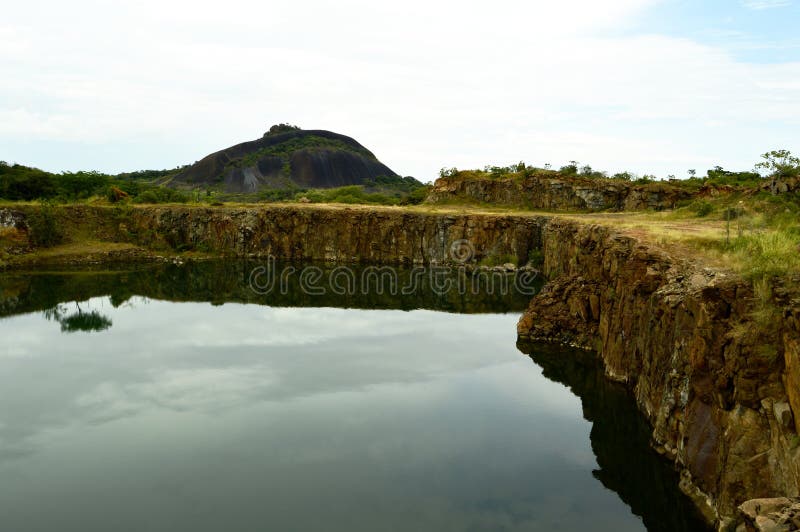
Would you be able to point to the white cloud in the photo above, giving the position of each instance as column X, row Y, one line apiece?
column 759, row 5
column 423, row 84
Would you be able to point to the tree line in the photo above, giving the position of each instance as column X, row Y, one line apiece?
column 24, row 183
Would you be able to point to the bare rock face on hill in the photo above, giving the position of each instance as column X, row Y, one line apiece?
column 286, row 157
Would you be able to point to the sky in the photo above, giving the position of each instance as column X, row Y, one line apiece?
column 649, row 86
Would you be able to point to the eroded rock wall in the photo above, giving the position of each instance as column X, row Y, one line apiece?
column 715, row 385
column 302, row 232
column 557, row 193
column 385, row 236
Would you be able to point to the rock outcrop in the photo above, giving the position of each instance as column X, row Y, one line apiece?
column 294, row 158
column 11, row 219
column 554, row 191
column 718, row 386
column 382, row 236
column 372, row 235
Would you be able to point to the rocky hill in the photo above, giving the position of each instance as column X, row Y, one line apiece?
column 286, row 157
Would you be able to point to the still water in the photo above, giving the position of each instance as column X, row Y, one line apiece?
column 130, row 402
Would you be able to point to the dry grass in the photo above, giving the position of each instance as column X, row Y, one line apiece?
column 761, row 238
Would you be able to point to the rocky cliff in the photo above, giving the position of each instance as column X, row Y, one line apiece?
column 374, row 235
column 371, row 235
column 286, row 158
column 713, row 367
column 554, row 191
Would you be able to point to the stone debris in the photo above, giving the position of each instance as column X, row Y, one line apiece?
column 12, row 219
column 781, row 514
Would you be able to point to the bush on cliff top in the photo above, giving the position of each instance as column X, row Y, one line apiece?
column 43, row 227
column 776, row 164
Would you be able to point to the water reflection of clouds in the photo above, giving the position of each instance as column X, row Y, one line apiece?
column 20, row 342
column 198, row 389
column 199, row 358
column 427, row 417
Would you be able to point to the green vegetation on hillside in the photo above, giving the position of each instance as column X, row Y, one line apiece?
column 382, row 190
column 361, row 194
column 285, row 149
column 23, row 183
column 150, row 175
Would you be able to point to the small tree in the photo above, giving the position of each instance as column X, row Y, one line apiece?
column 625, row 176
column 281, row 128
column 779, row 164
column 44, row 230
column 448, row 172
column 570, row 169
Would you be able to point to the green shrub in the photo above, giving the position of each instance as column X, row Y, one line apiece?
column 720, row 176
column 284, row 150
column 79, row 185
column 160, row 195
column 351, row 194
column 278, row 194
column 44, row 230
column 418, row 195
column 701, row 208
column 645, row 179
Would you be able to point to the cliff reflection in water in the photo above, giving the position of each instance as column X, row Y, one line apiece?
column 620, row 440
column 220, row 282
